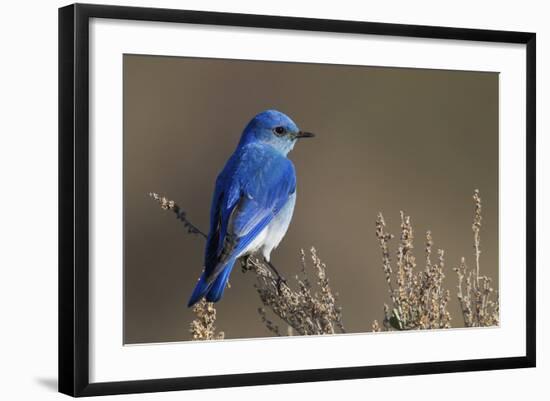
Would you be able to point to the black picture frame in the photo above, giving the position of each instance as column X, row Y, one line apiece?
column 74, row 191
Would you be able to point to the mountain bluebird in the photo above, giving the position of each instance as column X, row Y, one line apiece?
column 253, row 200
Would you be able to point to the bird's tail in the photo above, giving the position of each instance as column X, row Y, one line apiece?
column 215, row 292
column 200, row 289
column 212, row 291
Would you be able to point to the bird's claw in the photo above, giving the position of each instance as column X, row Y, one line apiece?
column 279, row 283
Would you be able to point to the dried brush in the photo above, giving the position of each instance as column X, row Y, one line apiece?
column 306, row 310
column 418, row 298
column 479, row 302
column 203, row 326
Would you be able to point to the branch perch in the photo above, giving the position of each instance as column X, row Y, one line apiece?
column 181, row 215
column 306, row 310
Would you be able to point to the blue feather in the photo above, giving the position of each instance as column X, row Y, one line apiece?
column 215, row 292
column 201, row 288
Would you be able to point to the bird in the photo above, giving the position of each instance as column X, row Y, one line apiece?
column 253, row 201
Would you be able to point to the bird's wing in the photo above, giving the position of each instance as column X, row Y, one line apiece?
column 244, row 203
column 220, row 202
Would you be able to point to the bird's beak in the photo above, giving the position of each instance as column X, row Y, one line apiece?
column 303, row 134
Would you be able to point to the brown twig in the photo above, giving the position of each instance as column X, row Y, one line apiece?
column 166, row 204
column 478, row 301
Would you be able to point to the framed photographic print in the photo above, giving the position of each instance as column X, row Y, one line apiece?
column 249, row 199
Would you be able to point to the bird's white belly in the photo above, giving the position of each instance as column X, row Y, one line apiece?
column 270, row 237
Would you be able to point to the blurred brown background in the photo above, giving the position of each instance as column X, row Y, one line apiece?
column 388, row 139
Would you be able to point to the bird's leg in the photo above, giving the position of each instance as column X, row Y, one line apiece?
column 280, row 278
column 244, row 263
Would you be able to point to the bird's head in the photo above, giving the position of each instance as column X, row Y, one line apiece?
column 274, row 128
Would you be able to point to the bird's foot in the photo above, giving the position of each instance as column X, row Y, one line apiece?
column 279, row 280
column 279, row 284
column 244, row 263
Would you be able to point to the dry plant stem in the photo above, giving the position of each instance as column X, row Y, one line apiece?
column 419, row 300
column 166, row 204
column 464, row 299
column 376, row 326
column 478, row 301
column 203, row 328
column 383, row 239
column 476, row 226
column 305, row 310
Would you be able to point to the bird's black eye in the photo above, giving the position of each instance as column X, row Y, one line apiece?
column 279, row 130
